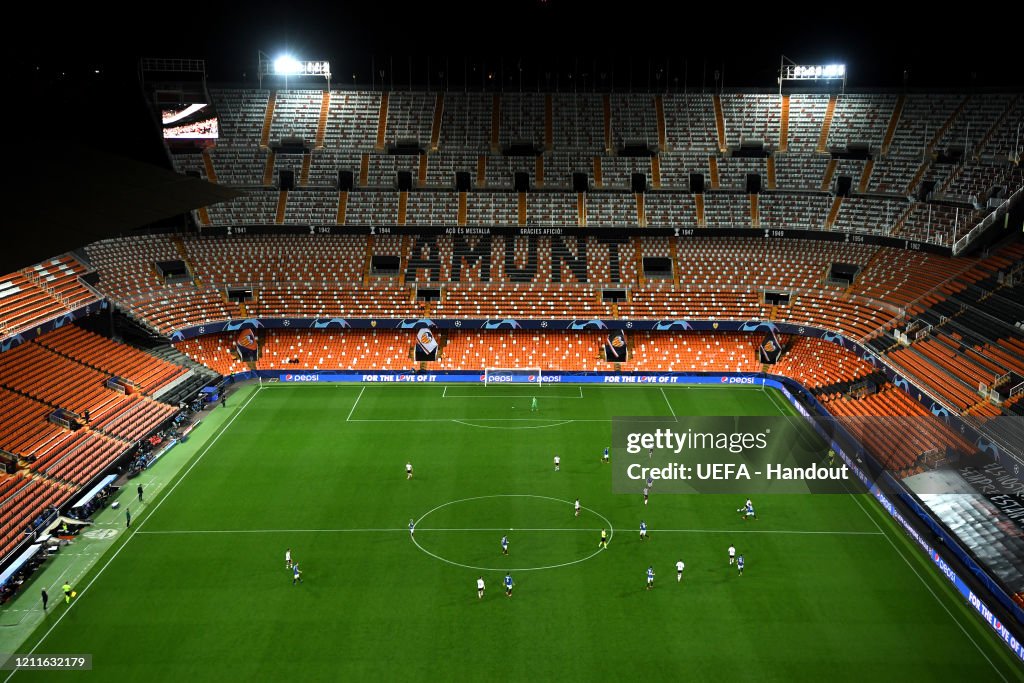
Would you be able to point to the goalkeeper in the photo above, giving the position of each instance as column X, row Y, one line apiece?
column 533, row 404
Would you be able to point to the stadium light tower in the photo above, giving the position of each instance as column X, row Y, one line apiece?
column 791, row 71
column 289, row 66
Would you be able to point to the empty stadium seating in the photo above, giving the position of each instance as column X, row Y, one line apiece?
column 142, row 369
column 40, row 293
column 328, row 276
column 813, row 362
column 67, row 369
column 581, row 132
column 873, row 418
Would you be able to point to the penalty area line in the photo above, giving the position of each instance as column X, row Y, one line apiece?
column 360, row 396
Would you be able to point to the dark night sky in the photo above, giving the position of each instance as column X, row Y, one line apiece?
column 876, row 42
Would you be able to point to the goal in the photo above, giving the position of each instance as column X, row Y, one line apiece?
column 513, row 376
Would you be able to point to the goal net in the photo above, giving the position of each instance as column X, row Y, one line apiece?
column 513, row 376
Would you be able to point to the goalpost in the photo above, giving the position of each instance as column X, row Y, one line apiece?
column 513, row 376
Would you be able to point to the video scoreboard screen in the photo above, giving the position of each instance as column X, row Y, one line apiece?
column 196, row 121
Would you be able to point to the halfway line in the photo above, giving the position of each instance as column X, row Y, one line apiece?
column 406, row 529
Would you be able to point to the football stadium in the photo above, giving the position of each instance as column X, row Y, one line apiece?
column 419, row 377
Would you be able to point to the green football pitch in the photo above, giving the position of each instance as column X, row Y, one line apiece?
column 198, row 589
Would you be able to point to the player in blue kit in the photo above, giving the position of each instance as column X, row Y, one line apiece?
column 747, row 510
column 643, row 530
column 604, row 458
column 739, row 565
column 508, row 585
column 504, row 545
column 650, row 578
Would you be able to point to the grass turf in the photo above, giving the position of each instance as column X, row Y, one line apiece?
column 199, row 589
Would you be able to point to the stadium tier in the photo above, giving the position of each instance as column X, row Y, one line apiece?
column 521, row 276
column 918, row 166
column 42, row 292
column 542, row 277
column 815, row 363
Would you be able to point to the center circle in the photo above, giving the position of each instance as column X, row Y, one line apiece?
column 542, row 531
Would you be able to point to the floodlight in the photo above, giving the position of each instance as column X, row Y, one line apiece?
column 287, row 65
column 798, row 72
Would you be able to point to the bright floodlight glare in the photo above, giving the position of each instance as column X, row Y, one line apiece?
column 286, row 65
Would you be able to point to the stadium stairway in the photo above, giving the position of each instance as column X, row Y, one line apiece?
column 783, row 134
column 865, row 176
column 382, row 122
column 723, row 146
column 435, row 127
column 268, row 118
column 321, row 127
column 342, row 207
column 894, row 120
column 822, row 147
column 495, row 126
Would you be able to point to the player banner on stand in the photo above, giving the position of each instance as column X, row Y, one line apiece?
column 247, row 345
column 770, row 349
column 615, row 348
column 426, row 345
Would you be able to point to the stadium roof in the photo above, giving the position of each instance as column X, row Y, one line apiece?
column 75, row 195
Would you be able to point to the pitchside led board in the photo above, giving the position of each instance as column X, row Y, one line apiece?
column 196, row 121
column 426, row 345
column 770, row 350
column 615, row 348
